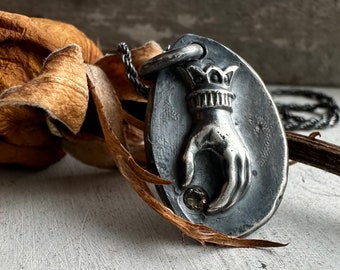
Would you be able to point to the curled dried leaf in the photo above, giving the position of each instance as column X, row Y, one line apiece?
column 88, row 145
column 19, row 64
column 22, row 126
column 131, row 132
column 24, row 44
column 60, row 89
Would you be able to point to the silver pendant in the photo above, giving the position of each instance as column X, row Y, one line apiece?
column 214, row 131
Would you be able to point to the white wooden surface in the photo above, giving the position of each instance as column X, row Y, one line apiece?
column 72, row 216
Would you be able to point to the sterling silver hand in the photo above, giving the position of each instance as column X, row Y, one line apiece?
column 209, row 102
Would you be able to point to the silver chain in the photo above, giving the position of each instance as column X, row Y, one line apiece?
column 131, row 71
column 323, row 111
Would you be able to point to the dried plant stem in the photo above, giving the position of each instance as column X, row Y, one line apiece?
column 314, row 152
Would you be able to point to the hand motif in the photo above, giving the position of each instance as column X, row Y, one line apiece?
column 209, row 102
column 227, row 144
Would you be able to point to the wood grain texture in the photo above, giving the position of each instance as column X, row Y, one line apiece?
column 286, row 42
column 72, row 216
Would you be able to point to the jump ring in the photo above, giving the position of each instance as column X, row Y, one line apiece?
column 172, row 57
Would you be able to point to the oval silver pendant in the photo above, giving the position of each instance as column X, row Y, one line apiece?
column 214, row 131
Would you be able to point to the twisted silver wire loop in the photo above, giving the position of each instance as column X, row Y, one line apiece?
column 131, row 71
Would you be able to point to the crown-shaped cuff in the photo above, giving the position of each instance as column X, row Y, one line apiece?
column 210, row 98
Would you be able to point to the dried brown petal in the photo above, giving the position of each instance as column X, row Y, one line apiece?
column 17, row 122
column 46, row 34
column 25, row 138
column 24, row 44
column 19, row 65
column 60, row 89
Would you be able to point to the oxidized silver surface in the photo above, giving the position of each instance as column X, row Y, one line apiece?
column 213, row 129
